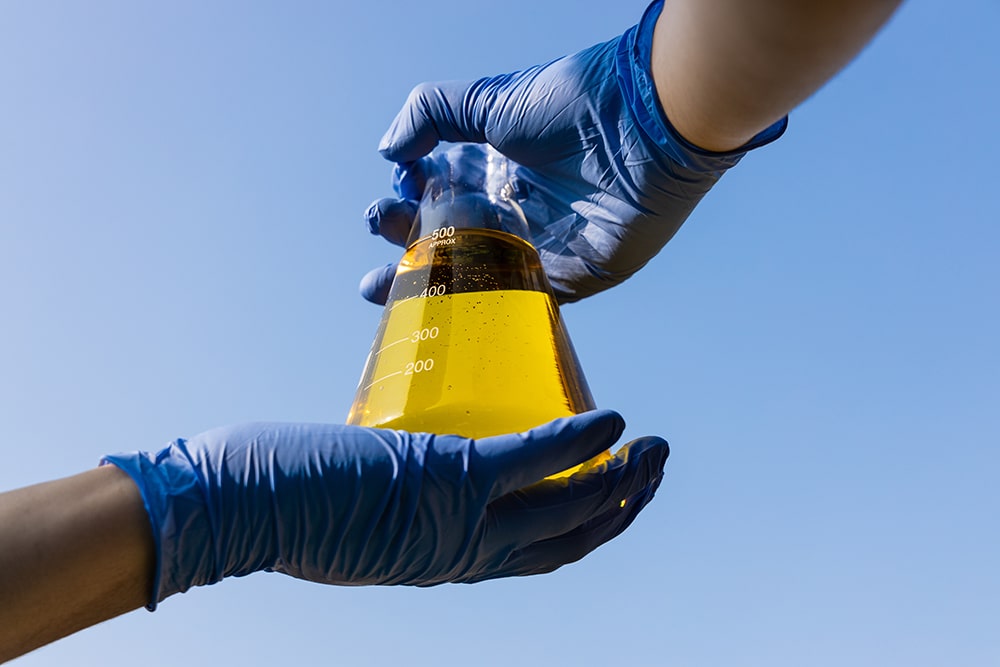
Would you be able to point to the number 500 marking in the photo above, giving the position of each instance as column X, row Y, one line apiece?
column 443, row 232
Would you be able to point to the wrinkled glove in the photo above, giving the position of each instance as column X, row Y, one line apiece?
column 606, row 180
column 352, row 505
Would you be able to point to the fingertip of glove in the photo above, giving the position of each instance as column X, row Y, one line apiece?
column 653, row 443
column 385, row 145
column 375, row 284
column 603, row 425
column 416, row 130
column 406, row 145
column 651, row 451
column 372, row 216
column 391, row 219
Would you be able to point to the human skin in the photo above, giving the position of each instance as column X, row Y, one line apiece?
column 76, row 551
column 727, row 69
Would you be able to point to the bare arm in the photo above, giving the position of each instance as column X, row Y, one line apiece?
column 727, row 69
column 75, row 552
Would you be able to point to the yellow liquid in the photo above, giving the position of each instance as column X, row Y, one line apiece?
column 470, row 342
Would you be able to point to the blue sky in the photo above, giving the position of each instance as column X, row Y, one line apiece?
column 180, row 243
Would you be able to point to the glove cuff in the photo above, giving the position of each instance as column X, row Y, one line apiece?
column 635, row 79
column 180, row 518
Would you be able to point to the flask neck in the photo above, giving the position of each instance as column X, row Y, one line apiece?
column 468, row 186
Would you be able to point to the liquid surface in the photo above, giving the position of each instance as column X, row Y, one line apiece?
column 471, row 342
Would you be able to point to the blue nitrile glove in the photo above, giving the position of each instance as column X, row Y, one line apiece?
column 352, row 505
column 608, row 181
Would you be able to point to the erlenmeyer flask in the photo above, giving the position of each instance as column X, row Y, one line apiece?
column 471, row 341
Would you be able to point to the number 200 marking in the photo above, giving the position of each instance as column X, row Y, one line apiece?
column 418, row 366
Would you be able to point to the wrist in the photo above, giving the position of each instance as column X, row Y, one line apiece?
column 175, row 501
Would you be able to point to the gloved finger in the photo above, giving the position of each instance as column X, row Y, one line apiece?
column 521, row 459
column 435, row 112
column 552, row 553
column 549, row 555
column 376, row 283
column 410, row 178
column 556, row 507
column 391, row 219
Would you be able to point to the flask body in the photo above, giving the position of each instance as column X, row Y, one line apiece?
column 471, row 341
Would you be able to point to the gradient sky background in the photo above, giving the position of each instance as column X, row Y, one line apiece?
column 181, row 188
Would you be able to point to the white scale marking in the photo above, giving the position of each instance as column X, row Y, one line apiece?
column 381, row 379
column 386, row 347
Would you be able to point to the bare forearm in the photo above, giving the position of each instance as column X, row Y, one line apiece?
column 727, row 69
column 75, row 552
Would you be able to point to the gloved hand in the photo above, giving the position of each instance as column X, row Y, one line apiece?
column 607, row 180
column 352, row 505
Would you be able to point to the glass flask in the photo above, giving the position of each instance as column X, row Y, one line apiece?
column 471, row 341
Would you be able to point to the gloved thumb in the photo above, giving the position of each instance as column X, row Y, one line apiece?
column 435, row 112
column 525, row 458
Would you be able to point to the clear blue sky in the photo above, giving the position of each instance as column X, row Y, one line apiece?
column 181, row 186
